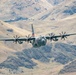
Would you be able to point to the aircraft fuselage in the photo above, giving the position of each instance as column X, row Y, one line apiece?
column 40, row 41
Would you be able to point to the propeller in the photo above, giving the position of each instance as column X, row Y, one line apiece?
column 51, row 36
column 62, row 34
column 16, row 39
column 27, row 37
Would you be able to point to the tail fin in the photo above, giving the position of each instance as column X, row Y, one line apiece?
column 33, row 35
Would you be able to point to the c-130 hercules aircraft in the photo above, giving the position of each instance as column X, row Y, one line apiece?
column 38, row 41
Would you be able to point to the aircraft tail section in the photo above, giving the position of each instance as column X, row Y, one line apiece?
column 33, row 35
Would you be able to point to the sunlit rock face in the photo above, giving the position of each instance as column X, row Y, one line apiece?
column 19, row 9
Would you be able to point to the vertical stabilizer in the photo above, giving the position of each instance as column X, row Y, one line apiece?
column 33, row 35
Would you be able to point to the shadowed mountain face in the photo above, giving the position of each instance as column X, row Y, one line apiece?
column 69, row 68
column 55, row 2
column 62, row 53
column 61, row 11
column 70, row 10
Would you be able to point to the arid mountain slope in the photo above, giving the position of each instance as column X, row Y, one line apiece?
column 61, row 11
column 47, row 16
column 9, row 31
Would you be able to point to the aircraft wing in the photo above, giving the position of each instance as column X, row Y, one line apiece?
column 58, row 36
column 17, row 39
column 7, row 39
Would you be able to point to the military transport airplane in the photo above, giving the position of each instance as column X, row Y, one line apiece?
column 38, row 41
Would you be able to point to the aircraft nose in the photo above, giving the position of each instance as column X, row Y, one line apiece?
column 43, row 39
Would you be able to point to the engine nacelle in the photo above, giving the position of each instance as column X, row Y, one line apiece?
column 20, row 42
column 55, row 39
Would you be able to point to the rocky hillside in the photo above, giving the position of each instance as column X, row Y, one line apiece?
column 58, row 12
column 10, row 31
column 55, row 2
column 36, row 9
column 47, row 16
column 21, row 9
column 70, row 68
column 59, row 52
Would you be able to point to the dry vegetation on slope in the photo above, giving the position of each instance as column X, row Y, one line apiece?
column 47, row 21
column 8, row 31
